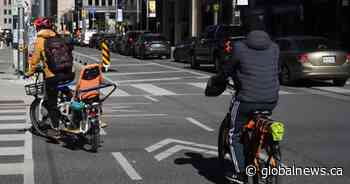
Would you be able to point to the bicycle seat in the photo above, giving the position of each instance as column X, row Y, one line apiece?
column 262, row 112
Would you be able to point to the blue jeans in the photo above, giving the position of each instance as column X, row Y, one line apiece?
column 239, row 116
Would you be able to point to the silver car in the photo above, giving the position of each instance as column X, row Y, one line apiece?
column 308, row 57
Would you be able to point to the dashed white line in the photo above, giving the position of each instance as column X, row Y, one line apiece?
column 151, row 98
column 11, row 169
column 149, row 80
column 130, row 171
column 13, row 117
column 133, row 115
column 12, row 111
column 7, row 151
column 12, row 126
column 177, row 148
column 193, row 121
column 152, row 89
column 11, row 137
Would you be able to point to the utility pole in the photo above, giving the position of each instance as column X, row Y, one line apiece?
column 138, row 14
column 147, row 19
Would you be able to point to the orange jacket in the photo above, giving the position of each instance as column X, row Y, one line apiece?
column 39, row 53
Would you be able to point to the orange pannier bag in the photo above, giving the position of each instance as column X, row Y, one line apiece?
column 90, row 77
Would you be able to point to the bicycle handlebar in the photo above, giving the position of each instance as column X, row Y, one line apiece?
column 103, row 85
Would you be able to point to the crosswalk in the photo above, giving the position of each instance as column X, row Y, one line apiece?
column 12, row 139
column 168, row 89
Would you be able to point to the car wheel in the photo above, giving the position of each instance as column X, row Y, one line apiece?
column 194, row 63
column 339, row 82
column 285, row 76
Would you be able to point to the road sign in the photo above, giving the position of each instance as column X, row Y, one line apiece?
column 180, row 146
column 242, row 2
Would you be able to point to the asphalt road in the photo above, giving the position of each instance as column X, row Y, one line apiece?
column 163, row 130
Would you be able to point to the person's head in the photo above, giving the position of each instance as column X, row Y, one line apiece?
column 42, row 23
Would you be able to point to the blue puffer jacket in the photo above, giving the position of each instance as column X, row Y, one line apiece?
column 255, row 69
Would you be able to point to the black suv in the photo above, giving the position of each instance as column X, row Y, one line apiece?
column 209, row 47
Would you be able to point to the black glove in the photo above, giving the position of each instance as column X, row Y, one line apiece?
column 216, row 85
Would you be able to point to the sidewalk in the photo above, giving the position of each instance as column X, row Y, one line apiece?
column 11, row 87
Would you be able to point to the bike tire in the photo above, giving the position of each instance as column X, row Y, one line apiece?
column 38, row 124
column 95, row 137
column 224, row 145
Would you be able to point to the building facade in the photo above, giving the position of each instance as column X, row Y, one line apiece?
column 6, row 14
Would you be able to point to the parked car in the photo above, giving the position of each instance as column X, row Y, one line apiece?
column 308, row 57
column 152, row 44
column 98, row 40
column 92, row 40
column 183, row 50
column 208, row 48
column 128, row 41
column 115, row 47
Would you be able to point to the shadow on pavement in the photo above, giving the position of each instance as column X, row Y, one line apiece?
column 207, row 167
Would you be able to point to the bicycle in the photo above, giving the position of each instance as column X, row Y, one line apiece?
column 88, row 110
column 261, row 136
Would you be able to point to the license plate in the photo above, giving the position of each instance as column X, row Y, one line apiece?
column 328, row 59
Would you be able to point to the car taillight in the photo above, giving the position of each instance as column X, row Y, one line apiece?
column 348, row 58
column 227, row 47
column 303, row 58
column 130, row 40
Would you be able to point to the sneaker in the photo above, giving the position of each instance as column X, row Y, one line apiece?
column 239, row 178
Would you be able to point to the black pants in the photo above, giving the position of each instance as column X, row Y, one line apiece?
column 52, row 94
column 239, row 116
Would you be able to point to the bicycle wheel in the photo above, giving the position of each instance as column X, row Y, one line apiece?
column 270, row 179
column 94, row 134
column 39, row 117
column 224, row 153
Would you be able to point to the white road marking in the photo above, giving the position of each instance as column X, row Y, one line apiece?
column 12, row 111
column 11, row 169
column 28, row 176
column 133, row 115
column 117, row 92
column 7, row 151
column 130, row 171
column 13, row 117
column 120, row 110
column 11, row 137
column 134, row 64
column 102, row 132
column 151, row 98
column 12, row 126
column 141, row 73
column 149, row 80
column 178, row 148
column 203, row 85
column 167, row 141
column 152, row 89
column 193, row 121
column 183, row 70
column 333, row 89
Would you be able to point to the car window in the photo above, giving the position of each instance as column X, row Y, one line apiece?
column 316, row 44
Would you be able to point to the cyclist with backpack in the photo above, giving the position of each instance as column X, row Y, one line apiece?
column 56, row 57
